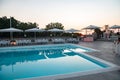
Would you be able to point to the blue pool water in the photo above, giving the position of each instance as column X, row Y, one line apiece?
column 38, row 61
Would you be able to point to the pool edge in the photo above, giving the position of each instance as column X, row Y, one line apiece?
column 113, row 67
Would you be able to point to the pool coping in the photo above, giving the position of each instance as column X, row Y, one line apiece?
column 70, row 75
column 76, row 74
column 3, row 49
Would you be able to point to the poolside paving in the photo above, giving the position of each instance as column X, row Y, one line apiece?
column 105, row 53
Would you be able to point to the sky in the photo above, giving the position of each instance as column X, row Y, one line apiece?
column 71, row 13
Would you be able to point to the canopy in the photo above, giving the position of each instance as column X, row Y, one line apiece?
column 91, row 27
column 34, row 30
column 72, row 30
column 56, row 30
column 11, row 30
column 115, row 27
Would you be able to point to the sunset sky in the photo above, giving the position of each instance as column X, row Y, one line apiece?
column 71, row 13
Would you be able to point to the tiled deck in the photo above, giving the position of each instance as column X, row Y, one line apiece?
column 106, row 53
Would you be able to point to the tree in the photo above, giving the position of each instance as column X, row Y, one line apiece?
column 98, row 32
column 54, row 25
column 5, row 23
column 28, row 25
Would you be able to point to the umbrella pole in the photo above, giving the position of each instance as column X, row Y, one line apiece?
column 11, row 35
column 35, row 35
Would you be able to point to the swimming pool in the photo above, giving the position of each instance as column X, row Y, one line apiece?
column 55, row 61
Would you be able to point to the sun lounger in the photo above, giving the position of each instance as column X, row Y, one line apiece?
column 23, row 42
column 4, row 43
column 72, row 40
column 58, row 40
column 41, row 41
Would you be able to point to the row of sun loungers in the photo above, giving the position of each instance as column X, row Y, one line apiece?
column 72, row 40
column 58, row 40
column 4, row 42
column 37, row 41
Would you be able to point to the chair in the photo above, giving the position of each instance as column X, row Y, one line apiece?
column 4, row 43
column 41, row 41
column 58, row 40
